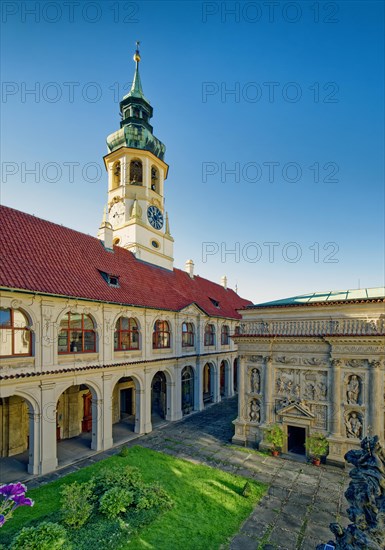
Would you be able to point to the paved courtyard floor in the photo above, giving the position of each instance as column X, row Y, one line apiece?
column 301, row 501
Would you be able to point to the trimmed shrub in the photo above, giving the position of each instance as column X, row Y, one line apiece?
column 46, row 536
column 115, row 501
column 124, row 451
column 76, row 503
column 125, row 477
column 152, row 496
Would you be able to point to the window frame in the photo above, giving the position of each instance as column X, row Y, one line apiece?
column 225, row 335
column 12, row 328
column 161, row 335
column 210, row 335
column 189, row 341
column 81, row 330
column 130, row 331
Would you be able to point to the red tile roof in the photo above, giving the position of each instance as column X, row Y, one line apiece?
column 44, row 257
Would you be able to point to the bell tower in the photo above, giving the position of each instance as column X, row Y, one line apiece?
column 136, row 175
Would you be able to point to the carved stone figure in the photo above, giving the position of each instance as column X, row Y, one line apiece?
column 353, row 389
column 353, row 425
column 366, row 496
column 297, row 391
column 323, row 390
column 255, row 411
column 280, row 386
column 255, row 381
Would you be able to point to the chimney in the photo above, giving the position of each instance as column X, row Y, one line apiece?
column 105, row 232
column 189, row 268
column 224, row 282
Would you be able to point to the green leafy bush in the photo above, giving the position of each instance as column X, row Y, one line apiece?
column 125, row 477
column 124, row 452
column 46, row 536
column 152, row 496
column 115, row 501
column 76, row 503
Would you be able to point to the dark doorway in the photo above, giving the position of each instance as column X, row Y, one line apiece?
column 296, row 440
column 158, row 395
column 126, row 402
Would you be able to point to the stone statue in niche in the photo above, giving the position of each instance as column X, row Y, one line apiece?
column 255, row 411
column 255, row 381
column 366, row 496
column 353, row 425
column 353, row 389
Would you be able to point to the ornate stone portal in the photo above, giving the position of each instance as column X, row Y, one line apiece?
column 366, row 495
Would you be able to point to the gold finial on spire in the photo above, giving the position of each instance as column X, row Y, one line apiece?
column 137, row 54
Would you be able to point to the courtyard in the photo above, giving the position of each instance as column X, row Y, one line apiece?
column 301, row 500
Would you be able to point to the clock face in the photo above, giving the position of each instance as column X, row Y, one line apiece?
column 116, row 214
column 155, row 217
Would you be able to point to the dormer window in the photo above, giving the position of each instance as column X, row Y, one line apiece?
column 214, row 302
column 111, row 280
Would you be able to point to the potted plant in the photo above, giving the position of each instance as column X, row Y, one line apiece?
column 276, row 436
column 317, row 446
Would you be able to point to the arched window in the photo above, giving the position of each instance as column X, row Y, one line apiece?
column 76, row 334
column 161, row 335
column 210, row 335
column 116, row 175
column 154, row 179
column 136, row 172
column 15, row 334
column 126, row 334
column 225, row 335
column 188, row 333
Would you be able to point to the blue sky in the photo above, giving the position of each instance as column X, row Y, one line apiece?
column 293, row 156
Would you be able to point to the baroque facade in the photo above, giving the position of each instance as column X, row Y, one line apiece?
column 103, row 333
column 313, row 364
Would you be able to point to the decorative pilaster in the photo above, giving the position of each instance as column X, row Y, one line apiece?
column 268, row 376
column 335, row 397
column 375, row 401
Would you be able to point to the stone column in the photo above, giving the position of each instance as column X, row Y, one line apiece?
column 268, row 380
column 48, row 460
column 376, row 416
column 198, row 386
column 34, row 442
column 98, row 424
column 335, row 397
column 240, row 423
column 105, row 409
column 230, row 378
column 176, row 393
column 216, row 379
column 242, row 405
column 147, row 424
column 140, row 401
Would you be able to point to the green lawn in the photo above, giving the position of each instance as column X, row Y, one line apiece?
column 209, row 506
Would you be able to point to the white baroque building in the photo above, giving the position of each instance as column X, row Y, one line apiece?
column 313, row 363
column 103, row 332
